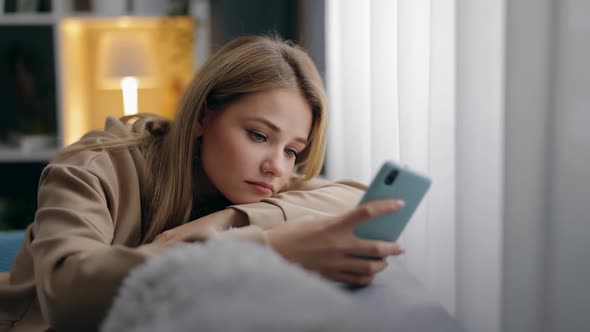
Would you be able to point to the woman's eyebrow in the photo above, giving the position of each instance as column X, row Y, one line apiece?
column 275, row 128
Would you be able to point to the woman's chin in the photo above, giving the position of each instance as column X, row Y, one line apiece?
column 246, row 199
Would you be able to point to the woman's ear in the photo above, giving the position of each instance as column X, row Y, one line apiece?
column 203, row 121
column 200, row 128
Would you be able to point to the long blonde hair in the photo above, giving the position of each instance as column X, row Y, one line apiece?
column 243, row 66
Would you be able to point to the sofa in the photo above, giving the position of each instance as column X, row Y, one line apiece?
column 10, row 243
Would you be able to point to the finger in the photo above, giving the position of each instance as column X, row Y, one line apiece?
column 353, row 264
column 374, row 248
column 361, row 266
column 350, row 279
column 371, row 210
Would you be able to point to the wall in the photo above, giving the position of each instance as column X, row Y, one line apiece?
column 312, row 23
column 230, row 18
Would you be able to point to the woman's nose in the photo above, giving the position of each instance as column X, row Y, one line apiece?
column 273, row 164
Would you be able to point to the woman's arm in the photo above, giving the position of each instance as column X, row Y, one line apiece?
column 311, row 226
column 310, row 199
column 314, row 198
column 78, row 269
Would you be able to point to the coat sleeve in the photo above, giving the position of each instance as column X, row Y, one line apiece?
column 313, row 198
column 77, row 268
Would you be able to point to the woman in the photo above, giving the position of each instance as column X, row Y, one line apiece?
column 238, row 161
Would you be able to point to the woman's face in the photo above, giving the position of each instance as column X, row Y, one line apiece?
column 249, row 149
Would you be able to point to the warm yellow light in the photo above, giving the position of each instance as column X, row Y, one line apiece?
column 124, row 22
column 129, row 87
column 155, row 59
column 72, row 26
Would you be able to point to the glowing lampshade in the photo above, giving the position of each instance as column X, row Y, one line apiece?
column 127, row 59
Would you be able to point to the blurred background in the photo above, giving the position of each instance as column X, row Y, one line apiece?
column 490, row 98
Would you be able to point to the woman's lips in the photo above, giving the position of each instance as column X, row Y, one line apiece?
column 262, row 187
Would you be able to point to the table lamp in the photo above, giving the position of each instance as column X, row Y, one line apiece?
column 127, row 59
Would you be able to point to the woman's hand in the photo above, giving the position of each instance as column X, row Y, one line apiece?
column 205, row 228
column 331, row 248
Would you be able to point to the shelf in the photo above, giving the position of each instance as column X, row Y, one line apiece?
column 27, row 19
column 16, row 155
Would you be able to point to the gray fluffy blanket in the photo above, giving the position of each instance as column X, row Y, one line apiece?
column 233, row 285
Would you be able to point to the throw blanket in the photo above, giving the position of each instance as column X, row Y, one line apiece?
column 233, row 285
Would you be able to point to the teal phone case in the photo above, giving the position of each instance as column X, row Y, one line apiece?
column 406, row 185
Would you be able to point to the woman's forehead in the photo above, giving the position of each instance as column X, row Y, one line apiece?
column 283, row 108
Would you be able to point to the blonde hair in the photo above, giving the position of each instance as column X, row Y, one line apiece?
column 243, row 66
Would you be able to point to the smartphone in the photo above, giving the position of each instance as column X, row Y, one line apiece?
column 393, row 182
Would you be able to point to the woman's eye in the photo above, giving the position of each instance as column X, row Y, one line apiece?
column 291, row 152
column 257, row 137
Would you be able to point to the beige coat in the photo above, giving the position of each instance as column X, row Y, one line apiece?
column 86, row 235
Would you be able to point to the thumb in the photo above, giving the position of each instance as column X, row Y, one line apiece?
column 372, row 209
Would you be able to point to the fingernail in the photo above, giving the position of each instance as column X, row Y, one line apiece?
column 402, row 251
column 400, row 203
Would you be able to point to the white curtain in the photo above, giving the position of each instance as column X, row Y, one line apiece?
column 391, row 86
